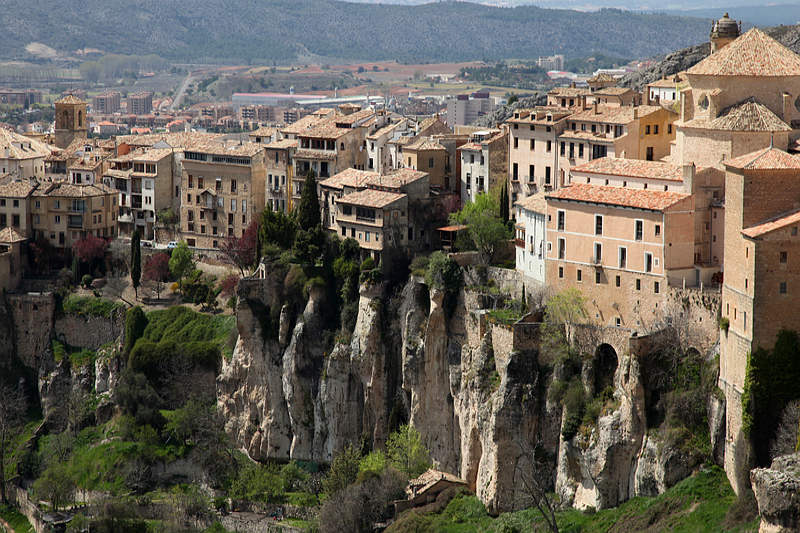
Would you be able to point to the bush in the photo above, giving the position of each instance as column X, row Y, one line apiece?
column 724, row 324
column 367, row 264
column 419, row 265
column 574, row 404
column 91, row 306
column 86, row 281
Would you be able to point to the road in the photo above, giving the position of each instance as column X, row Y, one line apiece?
column 179, row 95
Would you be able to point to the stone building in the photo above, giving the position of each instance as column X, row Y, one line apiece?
column 533, row 160
column 64, row 213
column 222, row 190
column 22, row 156
column 530, row 236
column 280, row 173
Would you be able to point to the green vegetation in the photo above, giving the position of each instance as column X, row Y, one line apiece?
column 407, row 33
column 136, row 260
column 91, row 306
column 699, row 503
column 78, row 357
column 486, row 228
column 770, row 384
column 520, row 76
column 179, row 333
column 587, row 65
column 18, row 522
column 308, row 215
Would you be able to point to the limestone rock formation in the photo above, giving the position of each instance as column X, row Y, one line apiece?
column 777, row 491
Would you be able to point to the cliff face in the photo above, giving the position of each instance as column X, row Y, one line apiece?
column 474, row 390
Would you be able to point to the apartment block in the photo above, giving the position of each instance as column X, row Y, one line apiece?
column 280, row 171
column 465, row 109
column 106, row 103
column 140, row 103
column 530, row 237
column 222, row 190
column 64, row 213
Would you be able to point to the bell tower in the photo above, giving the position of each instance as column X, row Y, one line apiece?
column 70, row 120
column 723, row 31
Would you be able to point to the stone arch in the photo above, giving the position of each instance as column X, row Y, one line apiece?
column 606, row 362
column 704, row 102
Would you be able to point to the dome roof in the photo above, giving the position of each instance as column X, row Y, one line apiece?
column 725, row 27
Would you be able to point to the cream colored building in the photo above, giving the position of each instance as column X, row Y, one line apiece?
column 64, row 213
column 22, row 156
column 222, row 191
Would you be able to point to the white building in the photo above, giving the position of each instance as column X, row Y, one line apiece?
column 465, row 109
column 529, row 236
column 663, row 90
column 555, row 62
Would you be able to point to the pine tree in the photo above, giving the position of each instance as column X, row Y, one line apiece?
column 308, row 215
column 136, row 261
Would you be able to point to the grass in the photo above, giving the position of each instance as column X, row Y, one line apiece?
column 78, row 358
column 504, row 316
column 18, row 522
column 697, row 504
column 91, row 306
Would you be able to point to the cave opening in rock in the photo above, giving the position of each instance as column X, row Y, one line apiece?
column 605, row 366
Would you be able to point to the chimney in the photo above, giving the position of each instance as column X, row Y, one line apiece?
column 596, row 108
column 635, row 113
column 688, row 177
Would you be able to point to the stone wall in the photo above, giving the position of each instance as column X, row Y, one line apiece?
column 89, row 332
column 32, row 314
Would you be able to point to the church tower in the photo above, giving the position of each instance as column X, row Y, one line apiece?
column 70, row 120
column 723, row 31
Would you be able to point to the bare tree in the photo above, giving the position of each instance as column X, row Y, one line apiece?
column 115, row 286
column 786, row 434
column 13, row 406
column 534, row 472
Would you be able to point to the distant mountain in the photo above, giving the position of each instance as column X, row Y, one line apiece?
column 287, row 30
column 769, row 15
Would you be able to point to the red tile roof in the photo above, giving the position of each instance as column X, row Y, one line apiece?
column 767, row 159
column 371, row 198
column 753, row 54
column 747, row 115
column 350, row 177
column 396, row 179
column 781, row 221
column 618, row 196
column 634, row 168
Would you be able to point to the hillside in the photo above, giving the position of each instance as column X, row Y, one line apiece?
column 683, row 59
column 284, row 30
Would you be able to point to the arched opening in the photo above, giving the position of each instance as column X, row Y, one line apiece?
column 605, row 366
column 704, row 102
column 80, row 119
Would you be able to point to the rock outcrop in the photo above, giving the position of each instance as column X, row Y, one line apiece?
column 777, row 491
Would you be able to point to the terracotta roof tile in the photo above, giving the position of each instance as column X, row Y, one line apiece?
column 397, row 179
column 371, row 198
column 9, row 234
column 772, row 224
column 748, row 115
column 635, row 168
column 753, row 54
column 350, row 177
column 767, row 159
column 618, row 196
column 282, row 144
column 535, row 202
column 70, row 99
column 613, row 114
column 315, row 154
column 569, row 91
column 613, row 91
column 16, row 188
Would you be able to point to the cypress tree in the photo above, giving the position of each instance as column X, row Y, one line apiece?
column 308, row 215
column 504, row 214
column 136, row 261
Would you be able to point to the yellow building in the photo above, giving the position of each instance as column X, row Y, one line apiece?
column 64, row 213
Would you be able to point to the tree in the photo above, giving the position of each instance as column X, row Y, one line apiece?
column 227, row 286
column 241, row 251
column 55, row 486
column 277, row 229
column 504, row 207
column 406, row 452
column 562, row 312
column 136, row 261
column 344, row 470
column 12, row 413
column 533, row 469
column 308, row 215
column 181, row 261
column 156, row 269
column 90, row 249
column 484, row 225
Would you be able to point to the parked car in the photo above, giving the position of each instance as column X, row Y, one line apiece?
column 172, row 244
column 147, row 244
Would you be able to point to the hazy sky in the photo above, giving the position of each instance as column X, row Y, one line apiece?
column 596, row 4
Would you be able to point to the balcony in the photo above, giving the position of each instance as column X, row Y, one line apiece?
column 125, row 218
column 596, row 261
column 75, row 221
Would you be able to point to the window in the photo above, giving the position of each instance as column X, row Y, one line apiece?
column 647, row 130
column 233, row 204
column 533, row 144
column 579, row 275
column 191, row 182
column 531, row 173
column 623, row 257
column 597, row 277
column 618, row 322
column 638, row 284
column 639, row 230
column 15, row 220
column 580, row 150
column 515, row 172
column 598, row 252
column 58, row 219
column 658, row 230
column 561, row 216
column 562, row 248
column 549, row 145
column 16, row 203
column 430, row 162
column 649, row 156
column 617, row 281
column 784, row 257
column 598, row 224
column 344, row 231
column 547, row 175
column 782, row 287
column 669, row 128
column 563, row 148
column 656, row 287
column 233, row 186
column 560, row 272
column 648, row 262
column 655, row 129
column 516, row 142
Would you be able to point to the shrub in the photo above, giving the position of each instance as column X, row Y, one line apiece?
column 91, row 306
column 135, row 324
column 419, row 265
column 367, row 264
column 574, row 404
column 371, row 465
column 86, row 281
column 724, row 324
